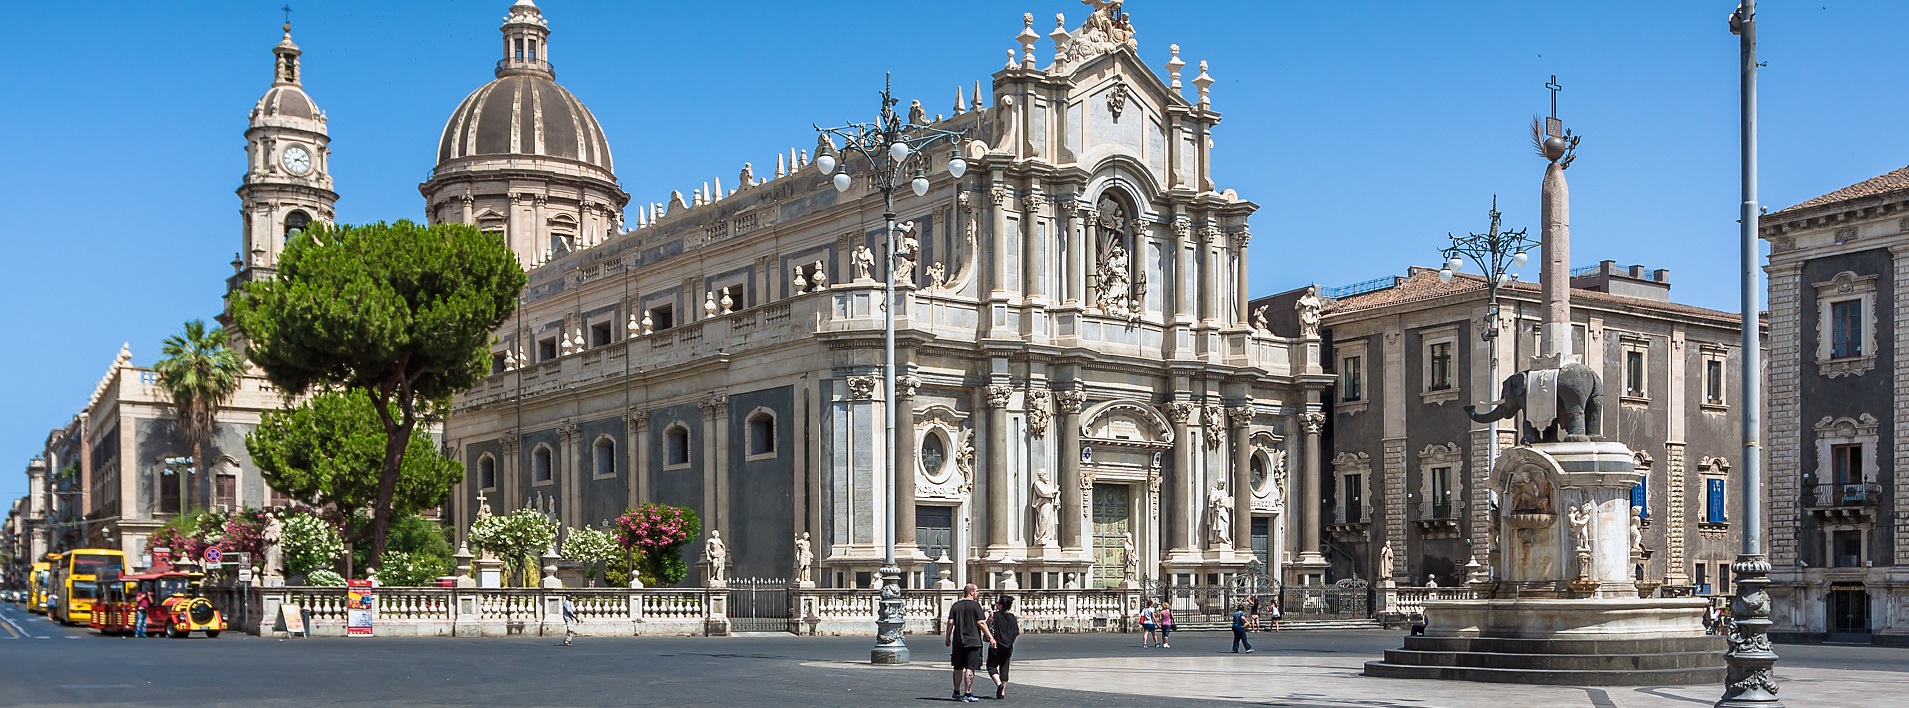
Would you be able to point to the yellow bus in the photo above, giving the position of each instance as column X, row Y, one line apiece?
column 36, row 586
column 75, row 584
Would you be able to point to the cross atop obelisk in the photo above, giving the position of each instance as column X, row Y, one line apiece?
column 1558, row 147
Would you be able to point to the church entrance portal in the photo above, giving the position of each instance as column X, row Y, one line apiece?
column 1848, row 614
column 1113, row 521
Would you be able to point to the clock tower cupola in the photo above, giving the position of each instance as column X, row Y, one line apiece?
column 287, row 175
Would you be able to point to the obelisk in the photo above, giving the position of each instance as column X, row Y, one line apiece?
column 1557, row 146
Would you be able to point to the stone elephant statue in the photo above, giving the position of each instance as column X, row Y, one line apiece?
column 1580, row 412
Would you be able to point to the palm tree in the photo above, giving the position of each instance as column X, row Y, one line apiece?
column 200, row 370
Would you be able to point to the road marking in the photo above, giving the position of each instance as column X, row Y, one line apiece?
column 15, row 627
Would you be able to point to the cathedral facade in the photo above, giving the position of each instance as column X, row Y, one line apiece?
column 1081, row 399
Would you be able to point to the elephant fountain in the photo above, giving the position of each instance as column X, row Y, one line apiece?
column 1571, row 412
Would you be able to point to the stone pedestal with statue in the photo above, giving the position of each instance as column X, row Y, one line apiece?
column 1561, row 605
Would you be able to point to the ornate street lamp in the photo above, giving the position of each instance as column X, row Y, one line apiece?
column 1751, row 680
column 1497, row 253
column 895, row 152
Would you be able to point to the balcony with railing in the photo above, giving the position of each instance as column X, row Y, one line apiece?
column 1845, row 503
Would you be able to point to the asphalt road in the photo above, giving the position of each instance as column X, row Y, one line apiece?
column 42, row 664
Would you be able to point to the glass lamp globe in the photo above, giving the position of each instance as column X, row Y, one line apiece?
column 825, row 163
column 1518, row 259
column 842, row 181
column 898, row 151
column 957, row 166
column 919, row 185
column 1444, row 275
column 1454, row 264
column 1503, row 278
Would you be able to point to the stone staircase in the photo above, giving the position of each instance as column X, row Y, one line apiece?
column 1558, row 662
column 1287, row 625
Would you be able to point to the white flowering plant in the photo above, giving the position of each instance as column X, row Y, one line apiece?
column 308, row 544
column 516, row 538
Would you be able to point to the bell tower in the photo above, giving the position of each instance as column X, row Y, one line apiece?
column 287, row 181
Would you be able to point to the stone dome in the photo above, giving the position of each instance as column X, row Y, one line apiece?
column 524, row 113
column 288, row 101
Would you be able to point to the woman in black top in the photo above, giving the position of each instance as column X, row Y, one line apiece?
column 1006, row 627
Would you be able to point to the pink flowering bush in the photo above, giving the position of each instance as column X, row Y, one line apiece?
column 657, row 534
column 245, row 532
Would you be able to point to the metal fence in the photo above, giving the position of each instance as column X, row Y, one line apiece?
column 759, row 605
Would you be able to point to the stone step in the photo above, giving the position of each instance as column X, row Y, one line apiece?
column 1550, row 677
column 1266, row 626
column 1556, row 662
column 1600, row 646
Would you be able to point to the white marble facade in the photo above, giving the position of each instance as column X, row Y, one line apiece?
column 1075, row 362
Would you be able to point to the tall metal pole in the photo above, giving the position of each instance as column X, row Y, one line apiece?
column 1750, row 681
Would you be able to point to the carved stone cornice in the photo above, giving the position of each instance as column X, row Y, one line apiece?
column 1069, row 400
column 998, row 395
column 1037, row 415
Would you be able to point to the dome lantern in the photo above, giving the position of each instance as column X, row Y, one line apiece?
column 526, row 43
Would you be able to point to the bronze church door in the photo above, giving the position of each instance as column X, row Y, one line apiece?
column 1113, row 521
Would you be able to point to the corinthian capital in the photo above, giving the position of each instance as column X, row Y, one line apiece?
column 998, row 395
column 1312, row 423
column 1178, row 412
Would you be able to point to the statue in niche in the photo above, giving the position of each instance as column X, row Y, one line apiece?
column 864, row 262
column 1637, row 531
column 1309, row 306
column 1219, row 514
column 804, row 559
column 1529, row 492
column 1113, row 281
column 1132, row 571
column 1047, row 498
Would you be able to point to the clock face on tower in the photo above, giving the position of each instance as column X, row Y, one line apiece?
column 296, row 160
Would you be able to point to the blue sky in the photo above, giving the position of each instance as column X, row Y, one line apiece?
column 1364, row 130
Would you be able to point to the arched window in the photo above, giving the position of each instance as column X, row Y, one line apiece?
column 762, row 433
column 540, row 469
column 296, row 222
column 603, row 457
column 487, row 472
column 676, row 445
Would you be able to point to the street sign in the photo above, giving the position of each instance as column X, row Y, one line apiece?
column 213, row 555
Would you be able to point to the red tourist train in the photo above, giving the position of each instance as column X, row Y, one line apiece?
column 176, row 610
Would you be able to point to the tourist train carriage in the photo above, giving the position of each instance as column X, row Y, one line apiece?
column 177, row 610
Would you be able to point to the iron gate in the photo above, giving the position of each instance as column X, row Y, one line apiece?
column 1344, row 599
column 759, row 605
column 1211, row 605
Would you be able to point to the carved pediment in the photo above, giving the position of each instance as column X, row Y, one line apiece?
column 1130, row 422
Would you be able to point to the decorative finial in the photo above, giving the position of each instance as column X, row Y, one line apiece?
column 1174, row 65
column 1205, row 83
column 1028, row 37
column 1011, row 56
column 961, row 100
column 1059, row 35
column 977, row 94
column 1552, row 140
column 288, row 18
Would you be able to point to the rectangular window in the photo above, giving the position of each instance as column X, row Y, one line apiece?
column 1713, row 382
column 1441, row 355
column 600, row 334
column 1355, row 499
column 1634, row 373
column 1640, row 500
column 168, row 491
column 662, row 317
column 1713, row 501
column 497, row 362
column 1441, row 492
column 1702, row 583
column 1723, row 578
column 1846, row 329
column 547, row 349
column 226, row 490
column 1846, row 464
column 1847, row 546
column 1352, row 378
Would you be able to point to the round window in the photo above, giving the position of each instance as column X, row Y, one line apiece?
column 1259, row 473
column 934, row 455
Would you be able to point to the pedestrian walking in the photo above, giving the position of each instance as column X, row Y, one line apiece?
column 1006, row 628
column 142, row 604
column 1148, row 627
column 1239, row 630
column 1165, row 619
column 569, row 620
column 965, row 634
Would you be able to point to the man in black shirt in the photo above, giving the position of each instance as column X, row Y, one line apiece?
column 966, row 633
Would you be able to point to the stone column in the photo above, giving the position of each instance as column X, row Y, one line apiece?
column 1077, row 260
column 1556, row 215
column 998, row 251
column 1184, row 284
column 1900, row 254
column 569, row 437
column 1311, row 424
column 1241, row 418
column 1033, row 258
column 903, row 399
column 1073, row 496
column 999, row 515
column 1183, row 496
column 1210, row 248
column 1240, row 239
column 511, row 486
column 639, row 447
column 716, row 461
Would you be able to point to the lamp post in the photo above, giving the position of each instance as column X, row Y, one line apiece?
column 1496, row 253
column 1750, row 680
column 894, row 151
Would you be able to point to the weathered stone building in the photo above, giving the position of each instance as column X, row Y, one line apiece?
column 1406, row 466
column 1838, row 401
column 1083, row 401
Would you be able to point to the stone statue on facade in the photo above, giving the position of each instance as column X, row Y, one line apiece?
column 1219, row 514
column 716, row 556
column 1047, row 498
column 1260, row 322
column 273, row 532
column 1529, row 493
column 804, row 559
column 1637, row 531
column 1580, row 517
column 864, row 262
column 937, row 276
column 1105, row 29
column 1308, row 307
column 821, row 279
column 1114, row 290
column 1385, row 561
column 906, row 256
column 1132, row 570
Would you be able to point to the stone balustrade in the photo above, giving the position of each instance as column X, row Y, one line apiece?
column 1410, row 602
column 852, row 612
